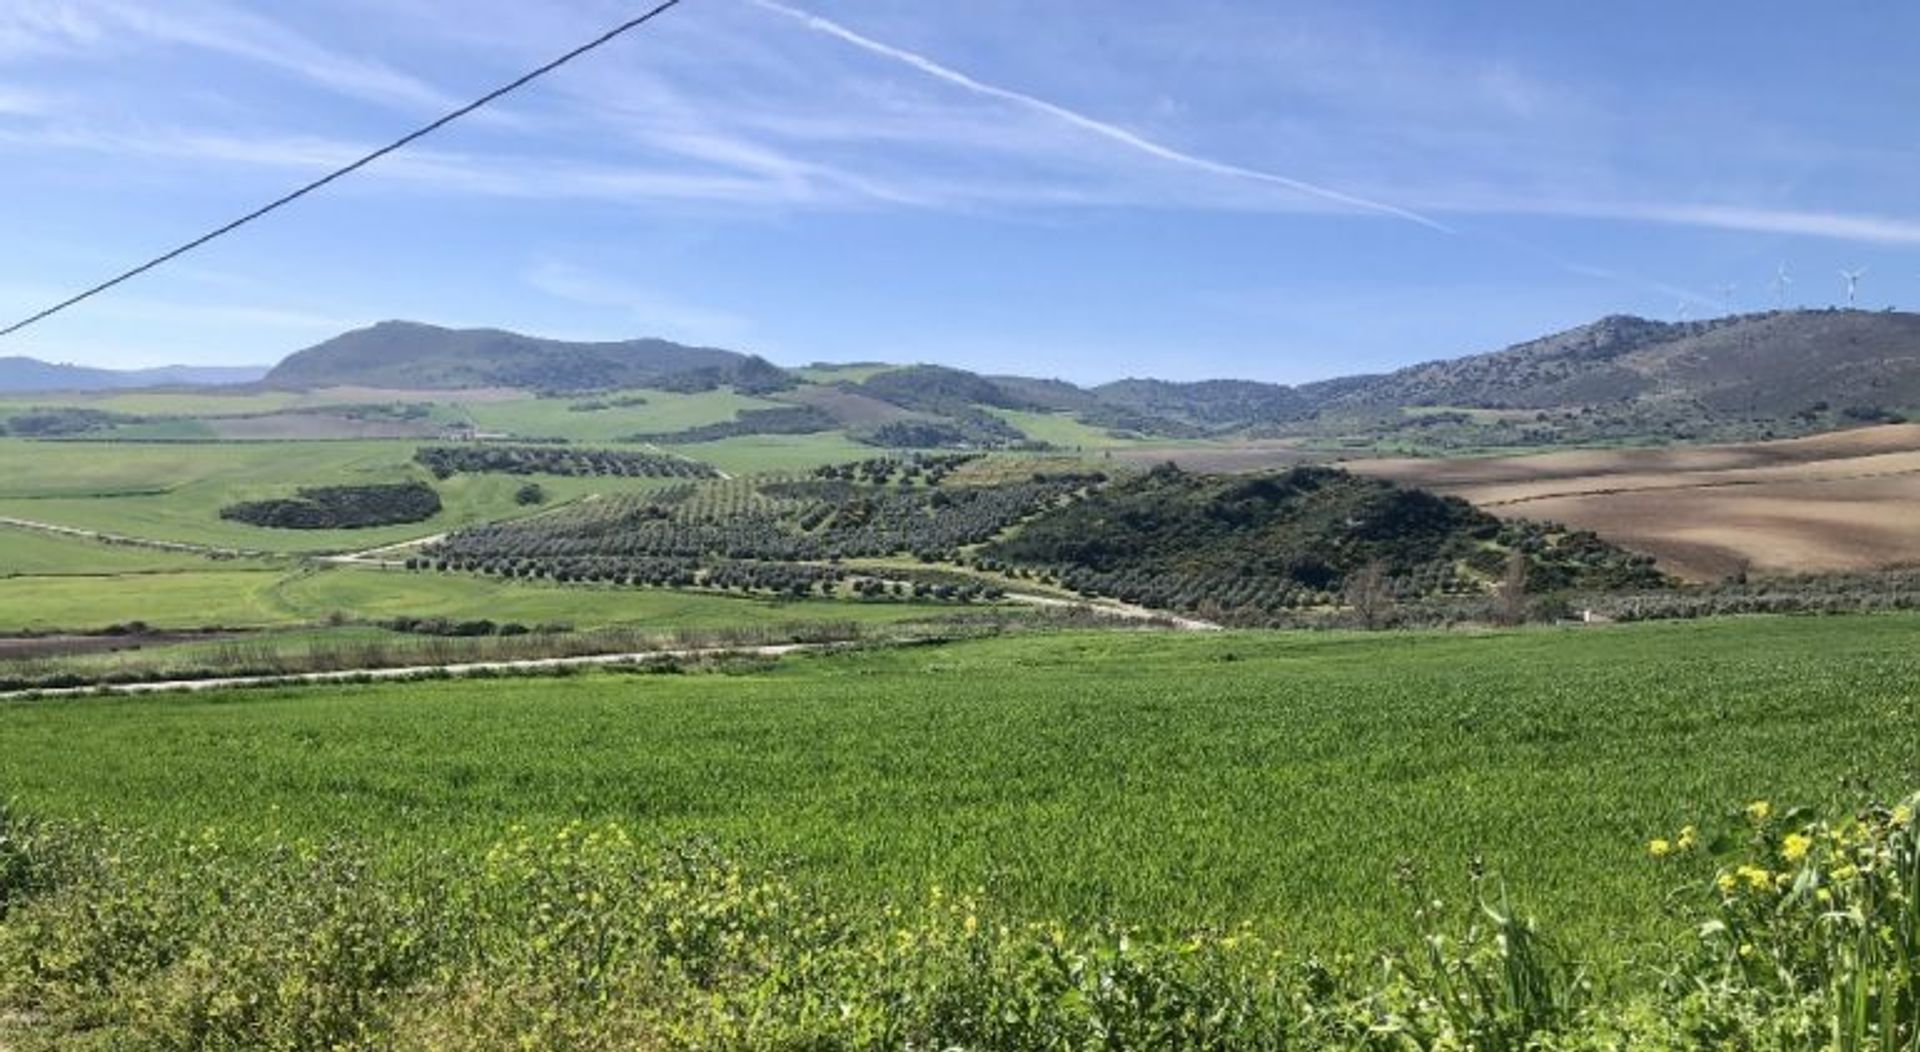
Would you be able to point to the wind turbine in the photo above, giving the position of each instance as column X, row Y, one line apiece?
column 1852, row 278
column 1782, row 281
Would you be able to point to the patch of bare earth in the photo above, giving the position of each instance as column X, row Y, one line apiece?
column 1845, row 501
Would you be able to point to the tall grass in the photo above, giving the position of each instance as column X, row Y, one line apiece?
column 581, row 937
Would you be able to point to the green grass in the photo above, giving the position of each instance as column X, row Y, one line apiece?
column 663, row 411
column 379, row 594
column 780, row 453
column 1063, row 430
column 1165, row 779
column 184, row 599
column 244, row 595
column 175, row 492
column 26, row 552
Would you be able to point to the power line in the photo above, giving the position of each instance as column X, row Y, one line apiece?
column 403, row 141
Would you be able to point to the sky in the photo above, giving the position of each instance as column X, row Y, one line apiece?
column 1087, row 189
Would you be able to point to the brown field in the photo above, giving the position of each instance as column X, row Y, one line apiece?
column 851, row 408
column 1254, row 455
column 1843, row 501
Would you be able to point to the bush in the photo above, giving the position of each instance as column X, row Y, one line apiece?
column 341, row 507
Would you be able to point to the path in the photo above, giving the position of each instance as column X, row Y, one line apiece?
column 408, row 671
column 1118, row 609
column 135, row 542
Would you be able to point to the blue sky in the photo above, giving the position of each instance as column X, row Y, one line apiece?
column 1078, row 188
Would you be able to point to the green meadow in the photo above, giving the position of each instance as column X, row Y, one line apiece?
column 1170, row 780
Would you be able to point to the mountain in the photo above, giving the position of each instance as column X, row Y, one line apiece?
column 30, row 375
column 409, row 355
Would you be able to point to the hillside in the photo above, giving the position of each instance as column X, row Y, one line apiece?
column 410, row 355
column 31, row 375
column 1271, row 542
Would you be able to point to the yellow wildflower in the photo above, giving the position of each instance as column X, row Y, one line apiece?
column 1728, row 883
column 1759, row 811
column 1846, row 872
column 1689, row 836
column 1794, row 847
column 1659, row 849
column 1757, row 878
column 1746, row 949
column 1902, row 815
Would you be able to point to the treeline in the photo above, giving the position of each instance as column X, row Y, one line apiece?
column 783, row 420
column 933, row 468
column 481, row 458
column 340, row 507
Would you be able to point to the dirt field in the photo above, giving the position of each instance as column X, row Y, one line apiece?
column 1846, row 501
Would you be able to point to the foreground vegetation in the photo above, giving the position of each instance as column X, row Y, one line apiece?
column 1784, row 930
column 1176, row 780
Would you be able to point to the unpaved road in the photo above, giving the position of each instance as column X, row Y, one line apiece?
column 1126, row 610
column 134, row 542
column 404, row 672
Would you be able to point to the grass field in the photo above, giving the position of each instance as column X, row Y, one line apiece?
column 239, row 595
column 30, row 553
column 175, row 492
column 663, row 411
column 1171, row 780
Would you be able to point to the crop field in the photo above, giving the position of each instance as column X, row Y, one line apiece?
column 576, row 419
column 1171, row 781
column 239, row 594
column 1843, row 501
column 174, row 492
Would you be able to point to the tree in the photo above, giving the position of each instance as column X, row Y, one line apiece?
column 1369, row 595
column 531, row 493
column 1510, row 599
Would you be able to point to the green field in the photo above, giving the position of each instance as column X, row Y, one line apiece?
column 663, row 411
column 26, row 553
column 1171, row 780
column 251, row 596
column 174, row 492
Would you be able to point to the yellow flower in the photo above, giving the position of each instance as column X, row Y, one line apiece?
column 1746, row 949
column 1794, row 847
column 1659, row 849
column 1689, row 836
column 1758, row 879
column 1759, row 811
column 1846, row 872
column 1728, row 883
column 1902, row 815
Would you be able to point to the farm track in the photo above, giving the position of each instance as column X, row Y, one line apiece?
column 409, row 671
column 137, row 542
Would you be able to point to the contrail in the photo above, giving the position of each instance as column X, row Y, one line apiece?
column 1101, row 128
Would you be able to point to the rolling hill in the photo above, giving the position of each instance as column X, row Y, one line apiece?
column 414, row 356
column 31, row 375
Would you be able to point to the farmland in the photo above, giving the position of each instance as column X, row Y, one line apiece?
column 1235, row 777
column 1843, row 501
column 1171, row 783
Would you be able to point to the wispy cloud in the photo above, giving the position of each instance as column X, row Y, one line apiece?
column 650, row 309
column 1094, row 126
column 94, row 26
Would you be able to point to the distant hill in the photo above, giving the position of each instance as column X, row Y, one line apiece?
column 1743, row 377
column 410, row 355
column 30, row 375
